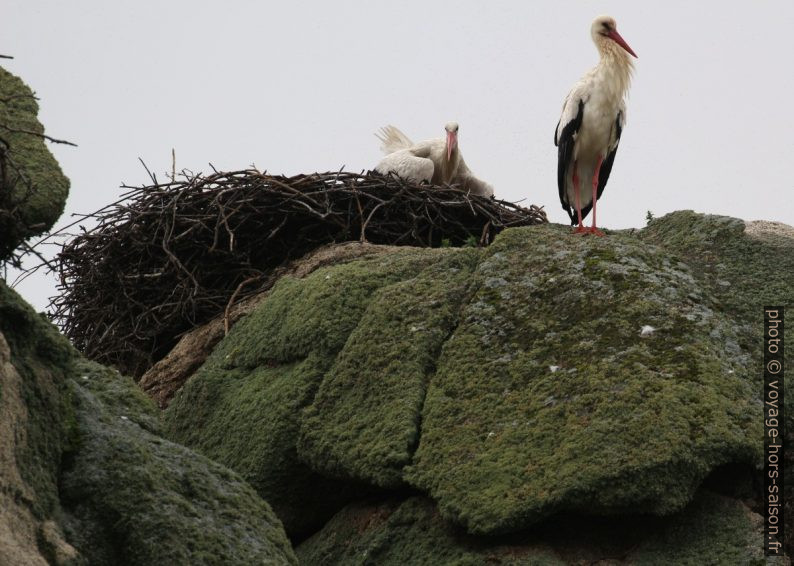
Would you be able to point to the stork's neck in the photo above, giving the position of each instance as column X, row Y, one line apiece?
column 615, row 67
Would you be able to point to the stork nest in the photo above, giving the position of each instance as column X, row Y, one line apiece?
column 169, row 257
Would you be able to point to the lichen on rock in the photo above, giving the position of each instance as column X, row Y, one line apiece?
column 626, row 422
column 744, row 267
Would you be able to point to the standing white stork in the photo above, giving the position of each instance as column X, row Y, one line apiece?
column 437, row 161
column 593, row 116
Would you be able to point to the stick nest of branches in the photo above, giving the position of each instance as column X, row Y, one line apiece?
column 171, row 256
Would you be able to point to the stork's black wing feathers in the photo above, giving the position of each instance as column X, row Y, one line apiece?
column 606, row 166
column 564, row 143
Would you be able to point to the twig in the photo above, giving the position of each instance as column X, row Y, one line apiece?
column 37, row 134
column 232, row 299
column 170, row 256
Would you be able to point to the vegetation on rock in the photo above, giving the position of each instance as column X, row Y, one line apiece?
column 131, row 497
column 243, row 407
column 35, row 364
column 712, row 530
column 87, row 479
column 364, row 421
column 543, row 376
column 33, row 189
column 548, row 398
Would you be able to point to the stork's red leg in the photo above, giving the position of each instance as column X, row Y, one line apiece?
column 593, row 229
column 580, row 229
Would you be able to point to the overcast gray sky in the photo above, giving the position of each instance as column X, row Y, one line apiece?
column 302, row 86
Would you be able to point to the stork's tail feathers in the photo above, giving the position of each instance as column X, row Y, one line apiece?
column 571, row 213
column 392, row 139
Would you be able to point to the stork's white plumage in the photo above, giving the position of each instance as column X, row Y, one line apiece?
column 593, row 116
column 437, row 161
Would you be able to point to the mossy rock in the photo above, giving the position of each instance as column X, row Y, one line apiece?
column 85, row 477
column 44, row 360
column 131, row 497
column 549, row 398
column 711, row 530
column 510, row 384
column 745, row 266
column 243, row 407
column 35, row 364
column 34, row 187
column 409, row 531
column 364, row 421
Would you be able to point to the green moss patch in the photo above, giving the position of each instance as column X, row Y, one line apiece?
column 44, row 360
column 711, row 530
column 34, row 190
column 743, row 273
column 549, row 398
column 364, row 421
column 547, row 375
column 243, row 407
column 132, row 497
column 411, row 531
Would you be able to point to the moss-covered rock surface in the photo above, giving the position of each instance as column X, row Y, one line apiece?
column 712, row 530
column 244, row 408
column 86, row 478
column 133, row 497
column 744, row 267
column 549, row 398
column 35, row 364
column 547, row 375
column 33, row 189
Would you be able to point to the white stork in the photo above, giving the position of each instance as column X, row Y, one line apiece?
column 593, row 116
column 437, row 161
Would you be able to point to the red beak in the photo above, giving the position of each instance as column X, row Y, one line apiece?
column 452, row 141
column 615, row 36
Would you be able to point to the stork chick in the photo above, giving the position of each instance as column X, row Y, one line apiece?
column 593, row 117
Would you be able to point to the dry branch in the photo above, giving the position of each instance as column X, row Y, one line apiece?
column 36, row 134
column 171, row 256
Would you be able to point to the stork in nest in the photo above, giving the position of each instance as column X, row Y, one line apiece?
column 437, row 161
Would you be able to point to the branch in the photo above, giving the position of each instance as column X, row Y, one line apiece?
column 18, row 96
column 37, row 134
column 168, row 257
